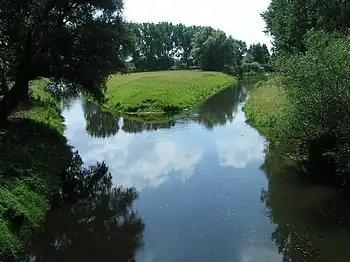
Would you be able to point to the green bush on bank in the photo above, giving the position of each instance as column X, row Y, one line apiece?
column 317, row 84
column 310, row 100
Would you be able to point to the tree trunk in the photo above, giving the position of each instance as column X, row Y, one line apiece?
column 18, row 93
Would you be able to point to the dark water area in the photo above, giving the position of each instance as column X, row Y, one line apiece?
column 209, row 186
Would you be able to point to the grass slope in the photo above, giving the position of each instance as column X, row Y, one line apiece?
column 33, row 151
column 159, row 92
column 264, row 107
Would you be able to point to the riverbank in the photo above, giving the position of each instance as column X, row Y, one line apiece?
column 33, row 151
column 163, row 92
column 264, row 107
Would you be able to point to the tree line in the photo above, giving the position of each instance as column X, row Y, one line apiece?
column 164, row 46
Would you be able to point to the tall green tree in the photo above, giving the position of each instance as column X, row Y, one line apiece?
column 287, row 21
column 78, row 41
column 184, row 37
column 259, row 53
column 214, row 51
column 154, row 46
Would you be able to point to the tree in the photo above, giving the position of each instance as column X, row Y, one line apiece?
column 214, row 51
column 184, row 38
column 259, row 53
column 287, row 21
column 76, row 41
column 154, row 46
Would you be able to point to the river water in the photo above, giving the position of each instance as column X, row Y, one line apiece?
column 208, row 189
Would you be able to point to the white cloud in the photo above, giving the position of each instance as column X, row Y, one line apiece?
column 142, row 161
column 138, row 160
column 240, row 150
column 239, row 18
column 243, row 146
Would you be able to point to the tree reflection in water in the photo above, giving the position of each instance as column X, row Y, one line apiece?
column 99, row 123
column 89, row 221
column 220, row 109
column 135, row 126
column 311, row 216
column 217, row 110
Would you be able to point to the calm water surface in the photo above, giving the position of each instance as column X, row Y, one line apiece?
column 208, row 191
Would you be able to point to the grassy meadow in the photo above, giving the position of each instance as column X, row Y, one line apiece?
column 164, row 91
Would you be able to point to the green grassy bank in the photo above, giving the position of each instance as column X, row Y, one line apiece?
column 33, row 151
column 264, row 107
column 159, row 92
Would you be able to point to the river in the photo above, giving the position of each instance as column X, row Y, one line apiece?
column 207, row 188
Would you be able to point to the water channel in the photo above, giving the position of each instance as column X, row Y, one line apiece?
column 208, row 189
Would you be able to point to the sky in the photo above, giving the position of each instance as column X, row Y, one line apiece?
column 238, row 18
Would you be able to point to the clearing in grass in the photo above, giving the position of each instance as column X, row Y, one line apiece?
column 162, row 92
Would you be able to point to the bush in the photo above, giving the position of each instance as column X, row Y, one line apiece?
column 253, row 67
column 317, row 84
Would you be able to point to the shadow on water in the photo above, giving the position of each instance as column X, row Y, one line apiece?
column 312, row 217
column 217, row 110
column 89, row 220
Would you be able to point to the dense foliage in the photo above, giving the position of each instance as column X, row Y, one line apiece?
column 81, row 42
column 164, row 46
column 317, row 84
column 257, row 59
column 161, row 46
column 214, row 51
column 312, row 58
column 287, row 21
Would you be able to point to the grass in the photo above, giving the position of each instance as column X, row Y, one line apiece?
column 161, row 92
column 264, row 107
column 33, row 151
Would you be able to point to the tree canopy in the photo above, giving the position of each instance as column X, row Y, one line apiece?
column 165, row 45
column 78, row 41
column 287, row 21
column 213, row 50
